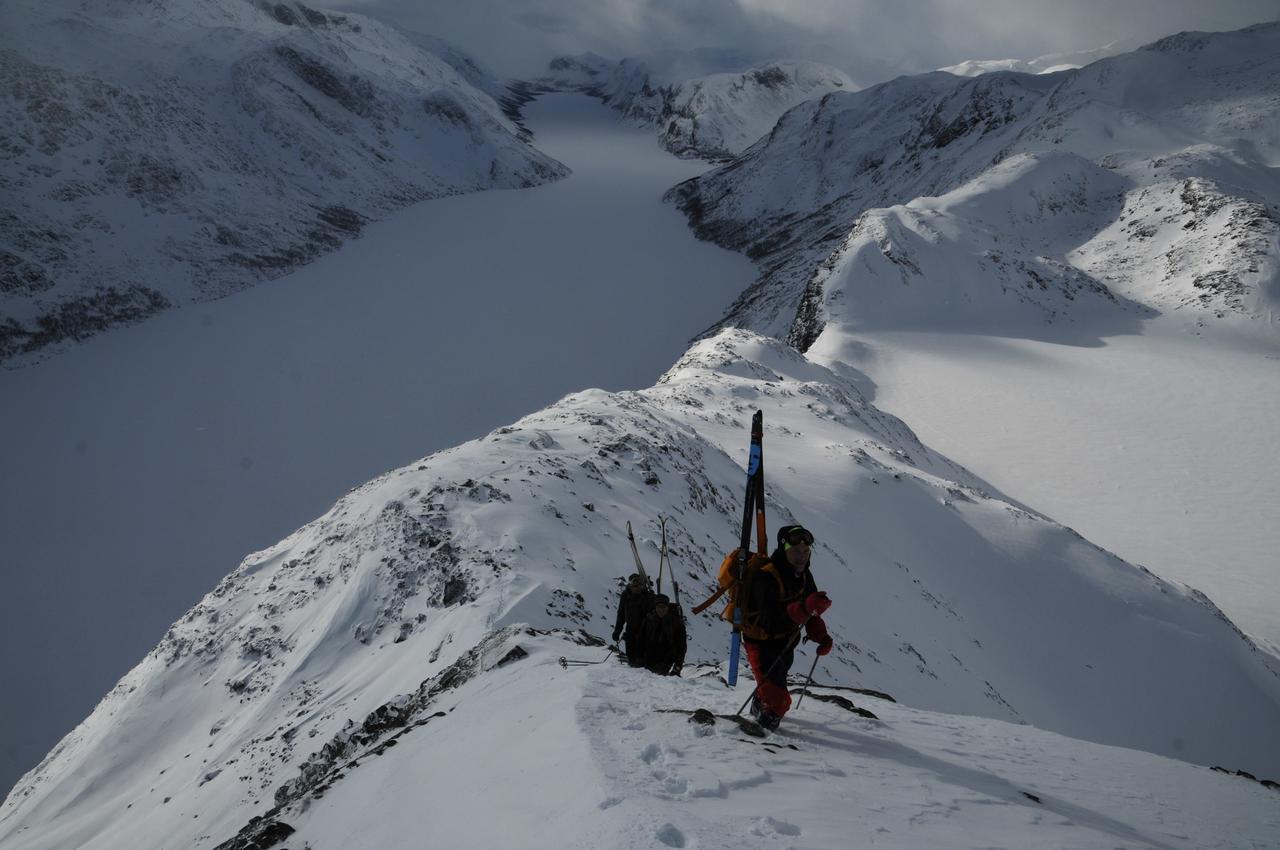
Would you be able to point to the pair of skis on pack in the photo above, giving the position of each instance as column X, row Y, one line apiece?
column 662, row 560
column 753, row 508
column 566, row 663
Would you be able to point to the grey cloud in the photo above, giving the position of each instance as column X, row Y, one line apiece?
column 870, row 39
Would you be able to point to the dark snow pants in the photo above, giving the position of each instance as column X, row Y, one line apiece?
column 635, row 649
column 779, row 655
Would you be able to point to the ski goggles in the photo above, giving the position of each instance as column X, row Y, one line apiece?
column 798, row 537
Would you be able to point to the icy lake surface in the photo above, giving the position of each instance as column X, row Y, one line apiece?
column 140, row 467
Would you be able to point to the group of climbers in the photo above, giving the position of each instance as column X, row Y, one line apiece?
column 652, row 630
column 780, row 602
column 773, row 603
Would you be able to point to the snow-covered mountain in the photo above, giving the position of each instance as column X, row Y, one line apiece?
column 414, row 600
column 710, row 104
column 168, row 152
column 1146, row 179
column 1046, row 64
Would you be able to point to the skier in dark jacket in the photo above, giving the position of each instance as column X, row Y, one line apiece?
column 782, row 599
column 663, row 638
column 633, row 606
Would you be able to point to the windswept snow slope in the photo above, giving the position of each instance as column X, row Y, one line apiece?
column 1159, row 447
column 589, row 758
column 140, row 464
column 948, row 596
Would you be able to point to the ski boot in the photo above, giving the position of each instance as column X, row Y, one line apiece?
column 764, row 718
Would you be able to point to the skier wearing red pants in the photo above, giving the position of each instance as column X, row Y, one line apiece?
column 782, row 599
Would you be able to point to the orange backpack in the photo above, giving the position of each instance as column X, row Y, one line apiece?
column 741, row 591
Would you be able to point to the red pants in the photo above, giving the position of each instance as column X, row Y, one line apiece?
column 775, row 658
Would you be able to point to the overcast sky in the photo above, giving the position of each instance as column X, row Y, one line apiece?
column 869, row 38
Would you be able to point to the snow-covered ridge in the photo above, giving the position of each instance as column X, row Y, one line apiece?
column 165, row 153
column 703, row 104
column 1047, row 64
column 1186, row 127
column 948, row 596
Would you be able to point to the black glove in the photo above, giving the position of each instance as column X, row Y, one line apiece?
column 617, row 633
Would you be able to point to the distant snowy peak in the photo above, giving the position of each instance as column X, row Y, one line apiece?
column 724, row 114
column 984, row 257
column 1196, row 114
column 713, row 115
column 157, row 159
column 1048, row 64
column 584, row 72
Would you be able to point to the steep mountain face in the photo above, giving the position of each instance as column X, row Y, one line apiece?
column 163, row 154
column 704, row 104
column 1186, row 129
column 947, row 595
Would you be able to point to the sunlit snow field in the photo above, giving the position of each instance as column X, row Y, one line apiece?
column 141, row 466
column 1159, row 446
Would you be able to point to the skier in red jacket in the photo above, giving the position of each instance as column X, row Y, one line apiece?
column 782, row 599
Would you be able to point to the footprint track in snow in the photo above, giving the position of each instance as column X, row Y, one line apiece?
column 767, row 826
column 670, row 836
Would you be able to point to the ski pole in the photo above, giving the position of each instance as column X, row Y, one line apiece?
column 662, row 554
column 808, row 682
column 565, row 662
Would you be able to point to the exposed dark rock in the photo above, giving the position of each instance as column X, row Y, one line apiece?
column 808, row 324
column 260, row 833
column 446, row 108
column 319, row 19
column 19, row 275
column 703, row 717
column 284, row 15
column 1244, row 774
column 864, row 691
column 515, row 654
column 771, row 77
column 81, row 318
column 354, row 94
column 513, row 102
column 836, row 699
column 343, row 219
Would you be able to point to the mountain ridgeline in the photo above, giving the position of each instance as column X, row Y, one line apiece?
column 1145, row 180
column 707, row 104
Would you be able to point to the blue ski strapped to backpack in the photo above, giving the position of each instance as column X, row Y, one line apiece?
column 754, row 500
